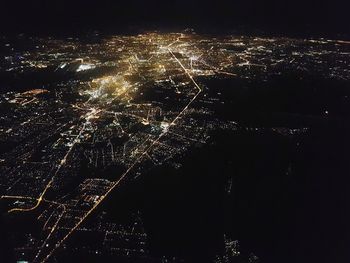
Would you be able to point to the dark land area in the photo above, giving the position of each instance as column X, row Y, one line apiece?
column 288, row 200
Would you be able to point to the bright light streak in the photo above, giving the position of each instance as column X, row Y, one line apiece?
column 84, row 67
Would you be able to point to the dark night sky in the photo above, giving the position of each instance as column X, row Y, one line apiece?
column 64, row 16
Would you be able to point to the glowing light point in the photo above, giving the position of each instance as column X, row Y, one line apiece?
column 84, row 67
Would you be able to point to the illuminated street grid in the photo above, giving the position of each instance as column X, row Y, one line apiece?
column 125, row 103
